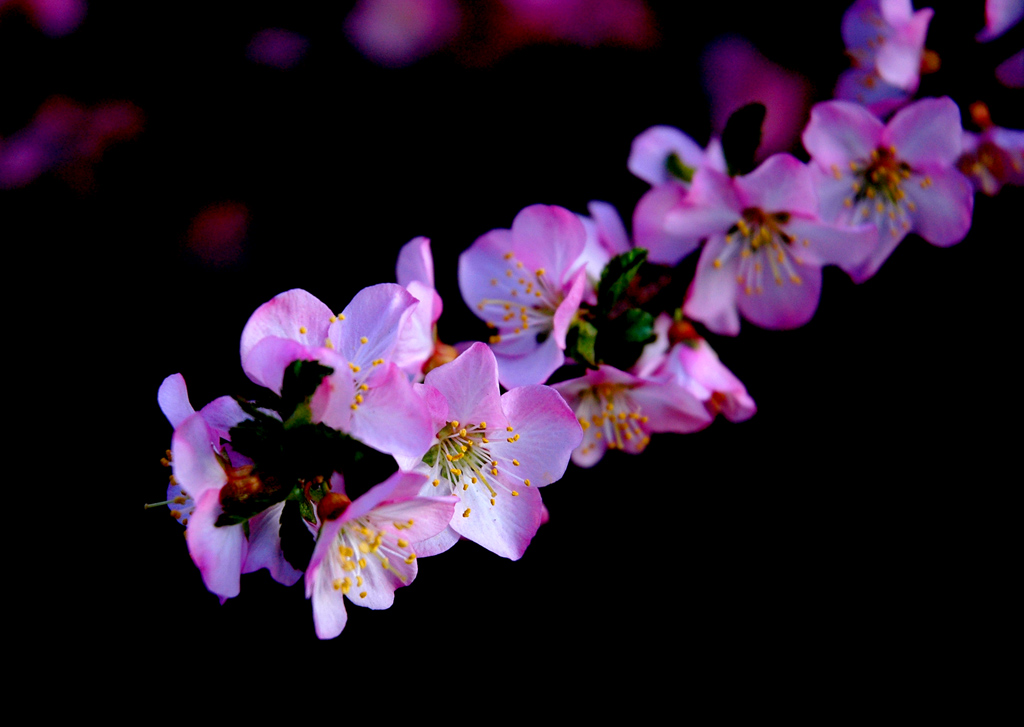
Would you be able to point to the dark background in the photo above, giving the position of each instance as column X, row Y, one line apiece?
column 856, row 526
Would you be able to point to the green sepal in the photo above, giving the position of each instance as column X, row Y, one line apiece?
column 301, row 379
column 296, row 542
column 580, row 343
column 430, row 458
column 741, row 137
column 616, row 277
column 677, row 169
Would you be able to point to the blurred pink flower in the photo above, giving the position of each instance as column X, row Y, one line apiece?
column 736, row 74
column 53, row 17
column 399, row 32
column 1010, row 72
column 1000, row 16
column 584, row 22
column 277, row 48
column 217, row 233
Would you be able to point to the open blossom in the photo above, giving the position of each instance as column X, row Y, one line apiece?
column 993, row 158
column 209, row 474
column 885, row 40
column 528, row 283
column 367, row 392
column 493, row 451
column 680, row 354
column 366, row 548
column 765, row 246
column 416, row 342
column 618, row 410
column 899, row 176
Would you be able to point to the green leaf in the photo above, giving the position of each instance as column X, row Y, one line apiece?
column 300, row 381
column 616, row 277
column 580, row 343
column 431, row 456
column 623, row 338
column 677, row 169
column 741, row 138
column 639, row 326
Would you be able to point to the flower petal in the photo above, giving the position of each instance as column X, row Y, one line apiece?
column 294, row 315
column 840, row 132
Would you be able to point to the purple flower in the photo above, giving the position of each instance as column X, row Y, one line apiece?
column 618, row 410
column 492, row 451
column 900, row 176
column 765, row 246
column 365, row 549
column 527, row 283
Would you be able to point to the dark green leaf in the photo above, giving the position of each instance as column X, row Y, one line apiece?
column 741, row 138
column 616, row 277
column 580, row 342
column 677, row 169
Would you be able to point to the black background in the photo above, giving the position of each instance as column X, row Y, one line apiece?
column 856, row 527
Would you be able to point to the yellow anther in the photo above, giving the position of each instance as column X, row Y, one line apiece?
column 464, row 448
column 410, row 559
column 540, row 271
column 348, row 565
column 362, row 562
column 911, row 206
column 176, row 514
column 880, row 207
column 795, row 279
column 455, row 425
column 385, row 564
column 515, row 462
column 448, row 457
column 465, row 486
column 494, row 281
column 333, row 319
column 466, row 513
column 485, row 440
column 403, row 543
column 494, row 471
column 483, row 425
column 179, row 500
column 717, row 263
column 926, row 182
column 341, row 316
column 355, row 368
column 526, row 482
column 436, row 483
column 515, row 494
column 492, row 502
column 508, row 428
column 363, row 339
column 327, row 343
column 345, row 551
column 835, row 171
column 338, row 583
column 519, row 264
column 303, row 329
column 462, row 432
column 363, row 594
column 359, row 580
column 508, row 273
column 364, row 548
column 359, row 398
column 353, row 406
column 509, row 255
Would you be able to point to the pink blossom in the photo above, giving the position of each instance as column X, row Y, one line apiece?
column 618, row 410
column 993, row 158
column 399, row 32
column 606, row 238
column 367, row 393
column 1010, row 72
column 368, row 549
column 527, row 283
column 492, row 451
column 899, row 176
column 765, row 246
column 1000, row 16
column 417, row 341
column 887, row 36
column 202, row 468
column 53, row 17
column 681, row 355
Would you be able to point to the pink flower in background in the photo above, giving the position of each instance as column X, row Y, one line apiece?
column 53, row 17
column 584, row 22
column 277, row 48
column 899, row 176
column 216, row 235
column 765, row 246
column 994, row 157
column 492, row 451
column 735, row 74
column 681, row 355
column 399, row 32
column 527, row 282
column 618, row 410
column 1000, row 16
column 367, row 393
column 1010, row 72
column 367, row 549
column 68, row 138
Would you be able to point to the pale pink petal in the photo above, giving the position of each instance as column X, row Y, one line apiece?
column 368, row 328
column 415, row 263
column 173, row 399
column 822, row 244
column 392, row 418
column 610, row 230
column 865, row 87
column 295, row 315
column 899, row 58
column 651, row 149
column 504, row 528
column 193, row 461
column 944, row 206
column 926, row 133
column 779, row 184
column 786, row 305
column 548, row 433
column 438, row 544
column 469, row 384
column 840, row 131
column 566, row 310
column 1010, row 72
column 548, row 237
column 265, row 547
column 711, row 298
column 415, row 344
column 533, row 368
column 266, row 362
column 218, row 552
column 649, row 225
column 482, row 274
column 670, row 407
column 1000, row 16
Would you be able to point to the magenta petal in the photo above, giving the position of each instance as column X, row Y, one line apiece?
column 193, row 462
column 415, row 263
column 711, row 298
column 822, row 244
column 295, row 315
column 783, row 305
column 780, row 184
column 944, row 206
column 839, row 132
column 926, row 133
column 218, row 552
column 173, row 399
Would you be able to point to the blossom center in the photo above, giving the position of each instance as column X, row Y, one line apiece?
column 615, row 418
column 531, row 302
column 877, row 190
column 462, row 457
column 764, row 247
column 360, row 545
